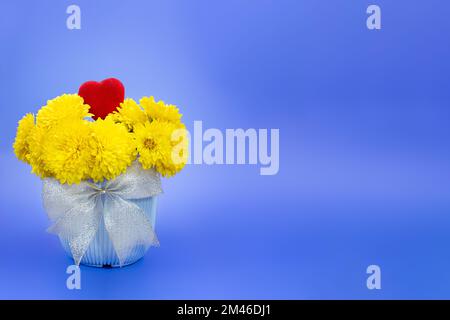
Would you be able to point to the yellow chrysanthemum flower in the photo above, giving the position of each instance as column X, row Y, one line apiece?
column 66, row 152
column 155, row 145
column 37, row 140
column 129, row 114
column 113, row 149
column 21, row 144
column 64, row 107
column 160, row 111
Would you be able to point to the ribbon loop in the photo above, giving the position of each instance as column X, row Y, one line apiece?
column 76, row 211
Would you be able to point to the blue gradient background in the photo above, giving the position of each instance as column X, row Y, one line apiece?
column 364, row 154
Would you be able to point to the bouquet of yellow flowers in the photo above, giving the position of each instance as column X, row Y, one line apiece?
column 100, row 157
column 63, row 142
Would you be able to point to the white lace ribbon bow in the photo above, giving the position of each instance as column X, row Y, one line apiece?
column 76, row 211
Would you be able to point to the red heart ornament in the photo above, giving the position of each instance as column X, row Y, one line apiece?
column 103, row 97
